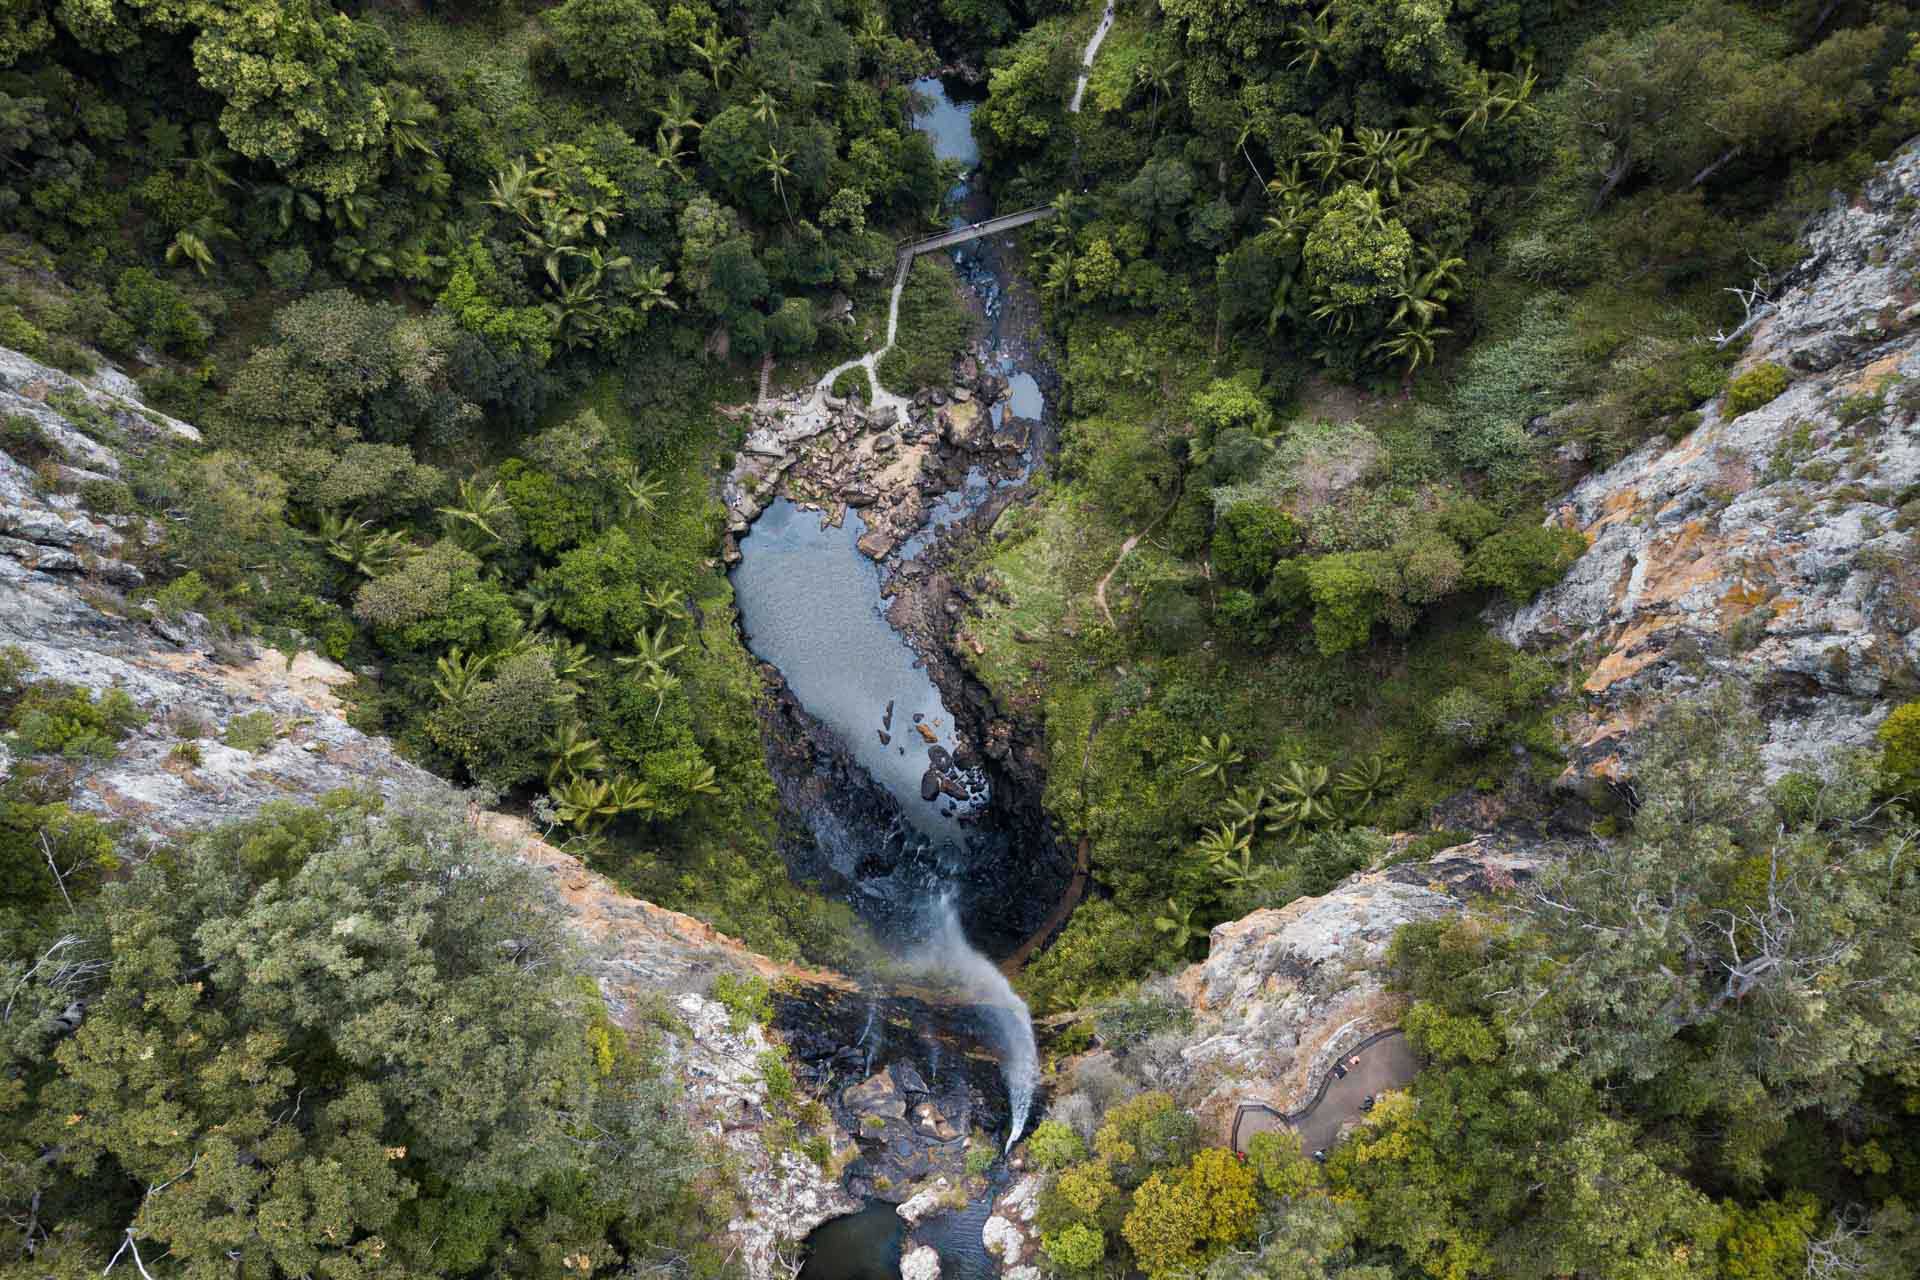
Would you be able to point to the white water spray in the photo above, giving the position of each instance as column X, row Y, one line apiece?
column 948, row 953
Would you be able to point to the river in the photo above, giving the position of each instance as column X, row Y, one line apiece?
column 811, row 605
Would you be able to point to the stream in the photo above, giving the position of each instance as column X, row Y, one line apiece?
column 899, row 809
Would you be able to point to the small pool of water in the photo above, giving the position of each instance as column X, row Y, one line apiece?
column 948, row 124
column 859, row 1246
column 809, row 601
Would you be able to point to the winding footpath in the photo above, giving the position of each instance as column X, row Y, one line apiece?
column 1379, row 1063
column 884, row 401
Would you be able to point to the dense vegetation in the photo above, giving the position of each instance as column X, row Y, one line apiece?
column 467, row 303
column 1690, row 1052
column 1341, row 293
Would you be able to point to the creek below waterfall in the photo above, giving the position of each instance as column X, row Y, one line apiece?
column 900, row 809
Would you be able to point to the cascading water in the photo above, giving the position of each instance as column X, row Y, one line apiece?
column 949, row 954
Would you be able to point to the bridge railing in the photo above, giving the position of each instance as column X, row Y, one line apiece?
column 985, row 228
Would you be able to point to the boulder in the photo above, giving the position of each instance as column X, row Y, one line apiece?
column 920, row 1264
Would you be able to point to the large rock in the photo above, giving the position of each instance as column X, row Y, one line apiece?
column 920, row 1264
column 1771, row 547
column 1284, row 992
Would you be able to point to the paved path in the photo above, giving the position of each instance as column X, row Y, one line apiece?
column 1386, row 1062
column 1086, row 59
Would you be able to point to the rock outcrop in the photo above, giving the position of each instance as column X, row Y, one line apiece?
column 1775, row 547
column 832, row 455
column 1284, row 993
column 60, row 605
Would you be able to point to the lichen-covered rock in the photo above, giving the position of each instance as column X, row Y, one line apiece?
column 1777, row 546
column 1284, row 992
column 920, row 1264
column 1008, row 1234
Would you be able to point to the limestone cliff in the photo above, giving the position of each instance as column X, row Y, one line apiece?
column 1776, row 546
column 61, row 573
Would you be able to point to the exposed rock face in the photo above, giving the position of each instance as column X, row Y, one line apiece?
column 1776, row 547
column 1284, row 993
column 76, row 628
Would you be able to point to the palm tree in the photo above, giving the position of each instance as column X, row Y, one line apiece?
column 208, row 163
column 1244, row 806
column 585, row 804
column 1361, row 784
column 774, row 165
column 1300, row 799
column 1220, row 842
column 1312, row 41
column 702, row 782
column 1381, row 158
column 477, row 509
column 766, row 109
column 360, row 260
column 651, row 650
column 647, row 289
column 459, row 676
column 194, row 243
column 640, row 491
column 1160, row 80
column 659, row 682
column 1214, row 758
column 515, row 188
column 631, row 795
column 715, row 50
column 287, row 201
column 667, row 600
column 356, row 544
column 409, row 114
column 1178, row 925
column 1483, row 99
column 349, row 210
column 573, row 754
column 1409, row 343
column 1327, row 153
column 571, row 661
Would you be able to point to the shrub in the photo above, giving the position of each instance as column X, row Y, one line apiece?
column 1464, row 718
column 1053, row 1146
column 746, row 998
column 980, row 1158
column 1899, row 737
column 1757, row 386
column 254, row 731
column 777, row 1076
column 1075, row 1247
column 791, row 327
column 1248, row 538
column 52, row 718
column 1524, row 561
column 159, row 313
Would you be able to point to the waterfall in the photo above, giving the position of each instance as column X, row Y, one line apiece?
column 948, row 953
column 873, row 1007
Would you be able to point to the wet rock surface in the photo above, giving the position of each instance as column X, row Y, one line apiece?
column 909, row 1079
column 1775, row 548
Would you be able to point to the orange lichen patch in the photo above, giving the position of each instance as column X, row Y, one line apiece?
column 1619, row 505
column 1870, row 379
column 1628, row 657
column 1691, row 559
